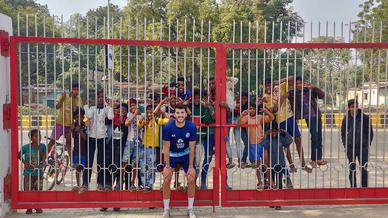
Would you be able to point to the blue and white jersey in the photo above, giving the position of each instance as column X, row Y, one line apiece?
column 179, row 138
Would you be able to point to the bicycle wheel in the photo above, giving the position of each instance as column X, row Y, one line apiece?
column 62, row 170
column 50, row 176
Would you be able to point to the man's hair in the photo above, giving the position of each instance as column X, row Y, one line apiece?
column 211, row 78
column 100, row 92
column 180, row 106
column 197, row 92
column 80, row 111
column 351, row 102
column 149, row 107
column 124, row 105
column 132, row 100
column 75, row 85
column 252, row 104
column 267, row 81
column 298, row 78
column 181, row 79
column 244, row 94
column 273, row 125
column 33, row 132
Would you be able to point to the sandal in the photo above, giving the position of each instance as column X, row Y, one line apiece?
column 75, row 189
column 83, row 189
column 313, row 164
column 321, row 162
column 308, row 168
column 293, row 168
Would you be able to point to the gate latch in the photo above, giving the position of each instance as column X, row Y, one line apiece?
column 6, row 116
column 4, row 43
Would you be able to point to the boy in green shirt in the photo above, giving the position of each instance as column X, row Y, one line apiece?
column 203, row 113
column 32, row 154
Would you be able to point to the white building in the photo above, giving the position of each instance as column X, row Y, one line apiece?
column 375, row 94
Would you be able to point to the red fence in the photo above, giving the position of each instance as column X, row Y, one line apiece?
column 210, row 197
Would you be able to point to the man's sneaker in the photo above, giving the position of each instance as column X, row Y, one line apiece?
column 191, row 214
column 230, row 165
column 116, row 209
column 100, row 188
column 278, row 207
column 29, row 211
column 147, row 189
column 103, row 209
column 244, row 165
column 38, row 210
column 166, row 214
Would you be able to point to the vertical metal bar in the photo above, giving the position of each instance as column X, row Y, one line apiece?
column 378, row 116
column 370, row 101
column 200, row 106
column 263, row 84
column 286, row 169
column 233, row 91
column 385, row 107
column 45, row 83
column 208, row 80
column 256, row 84
column 21, row 182
column 37, row 81
column 29, row 91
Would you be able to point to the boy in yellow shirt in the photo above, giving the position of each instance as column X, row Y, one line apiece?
column 150, row 142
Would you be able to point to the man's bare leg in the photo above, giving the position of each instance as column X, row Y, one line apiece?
column 258, row 175
column 167, row 176
column 290, row 161
column 190, row 192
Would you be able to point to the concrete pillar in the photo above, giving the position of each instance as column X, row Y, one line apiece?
column 5, row 135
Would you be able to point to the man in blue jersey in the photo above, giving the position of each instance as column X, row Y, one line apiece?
column 179, row 138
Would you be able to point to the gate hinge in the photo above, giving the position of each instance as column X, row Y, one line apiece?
column 4, row 43
column 6, row 116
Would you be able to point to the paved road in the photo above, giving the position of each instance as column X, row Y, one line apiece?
column 369, row 211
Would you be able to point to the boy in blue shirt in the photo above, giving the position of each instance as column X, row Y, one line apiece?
column 179, row 138
column 32, row 154
column 275, row 143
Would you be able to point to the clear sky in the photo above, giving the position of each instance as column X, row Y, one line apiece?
column 309, row 10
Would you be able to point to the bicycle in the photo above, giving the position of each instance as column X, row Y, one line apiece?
column 54, row 170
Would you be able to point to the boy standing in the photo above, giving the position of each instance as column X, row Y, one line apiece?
column 31, row 155
column 150, row 141
column 275, row 144
column 256, row 136
column 357, row 136
column 80, row 148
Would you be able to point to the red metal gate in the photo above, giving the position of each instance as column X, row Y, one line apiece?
column 234, row 197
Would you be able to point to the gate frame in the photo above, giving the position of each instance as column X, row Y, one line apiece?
column 93, row 199
column 294, row 197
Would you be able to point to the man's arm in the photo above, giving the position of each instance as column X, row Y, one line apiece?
column 159, row 106
column 60, row 101
column 343, row 131
column 268, row 116
column 130, row 119
column 166, row 150
column 192, row 153
column 243, row 118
